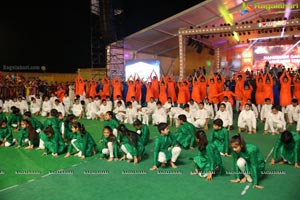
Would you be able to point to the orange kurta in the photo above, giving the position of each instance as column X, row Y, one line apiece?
column 79, row 86
column 130, row 91
column 163, row 93
column 138, row 89
column 229, row 94
column 155, row 85
column 117, row 86
column 149, row 92
column 171, row 88
column 239, row 87
column 213, row 91
column 60, row 94
column 106, row 86
column 268, row 87
column 181, row 99
column 246, row 95
column 220, row 85
column 297, row 88
column 285, row 90
column 196, row 91
column 202, row 87
column 259, row 93
column 93, row 86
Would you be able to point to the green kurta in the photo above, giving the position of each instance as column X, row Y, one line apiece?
column 104, row 142
column 36, row 124
column 162, row 144
column 144, row 135
column 255, row 163
column 53, row 121
column 68, row 134
column 209, row 159
column 14, row 119
column 6, row 133
column 23, row 134
column 220, row 139
column 54, row 144
column 185, row 135
column 2, row 116
column 113, row 124
column 85, row 144
column 290, row 152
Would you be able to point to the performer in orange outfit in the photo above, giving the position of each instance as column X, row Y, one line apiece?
column 268, row 87
column 213, row 91
column 296, row 81
column 138, row 88
column 202, row 87
column 131, row 89
column 285, row 90
column 106, row 86
column 79, row 86
column 246, row 94
column 259, row 93
column 171, row 88
column 60, row 93
column 87, row 89
column 155, row 84
column 239, row 87
column 149, row 92
column 220, row 85
column 187, row 90
column 93, row 86
column 181, row 100
column 162, row 91
column 227, row 93
column 117, row 87
column 196, row 90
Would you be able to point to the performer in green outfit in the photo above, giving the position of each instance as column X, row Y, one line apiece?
column 53, row 121
column 130, row 145
column 143, row 131
column 165, row 148
column 27, row 134
column 208, row 162
column 2, row 114
column 6, row 137
column 220, row 137
column 112, row 122
column 54, row 143
column 66, row 129
column 185, row 133
column 82, row 142
column 247, row 160
column 14, row 118
column 287, row 148
column 109, row 145
column 37, row 125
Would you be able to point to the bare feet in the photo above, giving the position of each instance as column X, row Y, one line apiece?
column 110, row 159
column 123, row 158
column 191, row 148
column 173, row 165
column 163, row 165
column 243, row 180
column 135, row 160
column 266, row 132
column 153, row 168
column 67, row 155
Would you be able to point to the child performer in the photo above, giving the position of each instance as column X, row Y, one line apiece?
column 185, row 133
column 220, row 137
column 54, row 143
column 247, row 158
column 286, row 149
column 247, row 120
column 165, row 148
column 275, row 121
column 27, row 134
column 208, row 162
column 6, row 137
column 109, row 142
column 143, row 131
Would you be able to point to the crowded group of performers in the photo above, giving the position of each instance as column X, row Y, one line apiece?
column 266, row 97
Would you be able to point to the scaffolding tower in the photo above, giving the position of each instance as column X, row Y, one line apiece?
column 115, row 60
column 102, row 31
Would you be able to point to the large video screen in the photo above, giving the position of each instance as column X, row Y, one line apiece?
column 142, row 67
column 287, row 55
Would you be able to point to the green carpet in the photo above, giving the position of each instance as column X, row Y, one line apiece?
column 120, row 179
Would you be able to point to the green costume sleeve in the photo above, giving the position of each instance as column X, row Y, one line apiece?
column 211, row 137
column 84, row 144
column 9, row 135
column 156, row 150
column 276, row 147
column 236, row 170
column 211, row 158
column 145, row 134
column 115, row 144
column 297, row 146
column 254, row 167
column 21, row 137
column 226, row 140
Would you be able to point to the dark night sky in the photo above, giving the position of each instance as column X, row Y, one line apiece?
column 57, row 33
